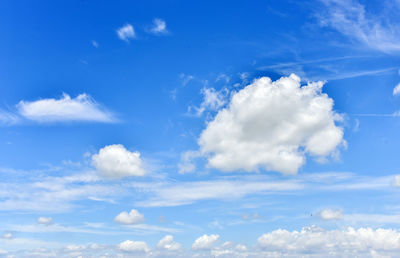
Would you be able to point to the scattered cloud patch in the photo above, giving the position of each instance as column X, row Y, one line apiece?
column 319, row 241
column 7, row 118
column 330, row 214
column 45, row 221
column 205, row 242
column 7, row 235
column 134, row 246
column 133, row 217
column 186, row 165
column 81, row 108
column 213, row 100
column 186, row 78
column 159, row 26
column 272, row 125
column 396, row 90
column 168, row 243
column 115, row 162
column 126, row 32
column 396, row 181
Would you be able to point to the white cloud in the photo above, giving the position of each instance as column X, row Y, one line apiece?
column 330, row 214
column 272, row 125
column 8, row 118
column 167, row 243
column 126, row 32
column 133, row 246
column 45, row 220
column 186, row 78
column 212, row 100
column 7, row 235
column 377, row 31
column 205, row 242
column 396, row 90
column 339, row 243
column 183, row 193
column 133, row 217
column 81, row 108
column 114, row 161
column 159, row 26
column 186, row 165
column 396, row 181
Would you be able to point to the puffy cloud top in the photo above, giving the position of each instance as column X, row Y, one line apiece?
column 333, row 242
column 205, row 242
column 114, row 161
column 272, row 125
column 45, row 220
column 133, row 217
column 167, row 243
column 134, row 246
column 329, row 214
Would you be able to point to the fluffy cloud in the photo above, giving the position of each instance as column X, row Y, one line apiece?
column 159, row 26
column 45, row 220
column 81, row 108
column 329, row 214
column 114, row 161
column 396, row 90
column 272, row 125
column 212, row 100
column 133, row 217
column 133, row 246
column 126, row 32
column 167, row 243
column 205, row 242
column 318, row 241
column 396, row 182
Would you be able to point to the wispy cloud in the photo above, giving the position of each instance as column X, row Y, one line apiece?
column 351, row 18
column 159, row 27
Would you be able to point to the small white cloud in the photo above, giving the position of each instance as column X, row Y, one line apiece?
column 272, row 125
column 212, row 100
column 159, row 26
column 186, row 165
column 205, row 242
column 133, row 246
column 167, row 243
column 133, row 217
column 330, row 214
column 186, row 78
column 223, row 77
column 396, row 90
column 81, row 108
column 114, row 161
column 45, row 221
column 396, row 182
column 7, row 235
column 126, row 32
column 95, row 44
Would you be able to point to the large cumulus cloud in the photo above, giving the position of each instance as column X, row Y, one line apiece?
column 272, row 125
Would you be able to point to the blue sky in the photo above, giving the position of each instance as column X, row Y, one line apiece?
column 198, row 129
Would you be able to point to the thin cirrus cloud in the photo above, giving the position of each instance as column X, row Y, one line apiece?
column 82, row 108
column 272, row 125
column 352, row 19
